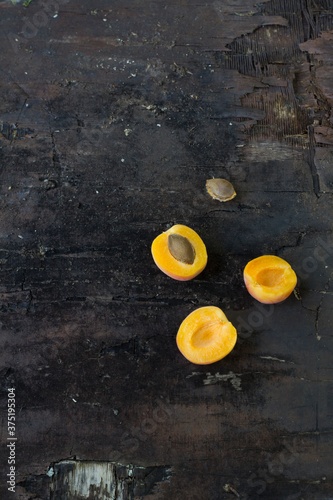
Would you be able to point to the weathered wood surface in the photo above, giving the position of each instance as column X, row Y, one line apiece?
column 113, row 115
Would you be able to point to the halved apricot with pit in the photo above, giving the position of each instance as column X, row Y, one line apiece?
column 180, row 253
column 269, row 279
column 206, row 336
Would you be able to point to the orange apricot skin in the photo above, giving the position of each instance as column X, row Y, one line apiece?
column 174, row 276
column 196, row 320
column 169, row 265
column 274, row 294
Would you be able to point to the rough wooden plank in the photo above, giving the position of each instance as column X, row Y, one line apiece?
column 109, row 130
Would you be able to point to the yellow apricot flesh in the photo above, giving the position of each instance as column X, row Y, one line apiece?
column 269, row 279
column 206, row 336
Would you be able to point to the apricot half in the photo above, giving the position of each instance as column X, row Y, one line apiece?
column 269, row 279
column 180, row 253
column 206, row 336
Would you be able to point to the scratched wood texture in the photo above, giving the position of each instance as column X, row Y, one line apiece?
column 112, row 117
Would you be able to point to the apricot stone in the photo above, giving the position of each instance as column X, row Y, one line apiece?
column 180, row 253
column 220, row 189
column 269, row 279
column 206, row 336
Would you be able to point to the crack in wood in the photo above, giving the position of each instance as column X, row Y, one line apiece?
column 312, row 164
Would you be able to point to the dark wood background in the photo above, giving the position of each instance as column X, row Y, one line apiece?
column 112, row 116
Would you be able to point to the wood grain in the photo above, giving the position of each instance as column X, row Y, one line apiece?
column 113, row 116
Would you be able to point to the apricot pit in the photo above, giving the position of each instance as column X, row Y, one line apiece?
column 269, row 279
column 180, row 253
column 206, row 336
column 220, row 189
column 181, row 248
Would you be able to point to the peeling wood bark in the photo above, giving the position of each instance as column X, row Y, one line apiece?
column 112, row 117
column 84, row 480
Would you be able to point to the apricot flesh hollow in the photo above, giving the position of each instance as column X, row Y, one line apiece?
column 269, row 279
column 180, row 253
column 206, row 336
